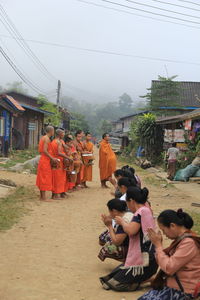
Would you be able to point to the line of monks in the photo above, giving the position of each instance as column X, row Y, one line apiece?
column 65, row 164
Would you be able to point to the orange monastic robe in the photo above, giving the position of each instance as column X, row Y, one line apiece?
column 44, row 172
column 70, row 185
column 59, row 174
column 79, row 148
column 107, row 160
column 87, row 176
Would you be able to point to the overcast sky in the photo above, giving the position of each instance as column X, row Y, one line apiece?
column 88, row 75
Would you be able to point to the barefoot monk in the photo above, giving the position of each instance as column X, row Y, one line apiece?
column 44, row 172
column 58, row 172
column 87, row 159
column 107, row 161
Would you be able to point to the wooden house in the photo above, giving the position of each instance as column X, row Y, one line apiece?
column 180, row 128
column 121, row 127
column 188, row 98
column 27, row 127
column 9, row 110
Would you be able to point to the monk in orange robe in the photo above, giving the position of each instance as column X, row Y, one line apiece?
column 79, row 149
column 88, row 149
column 44, row 172
column 70, row 153
column 58, row 172
column 107, row 161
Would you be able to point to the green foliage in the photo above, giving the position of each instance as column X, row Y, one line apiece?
column 149, row 135
column 198, row 147
column 55, row 118
column 186, row 159
column 19, row 156
column 12, row 207
column 78, row 122
column 196, row 218
column 105, row 126
column 16, row 86
column 125, row 103
column 165, row 92
column 96, row 114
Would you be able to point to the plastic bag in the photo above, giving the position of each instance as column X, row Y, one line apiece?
column 185, row 174
column 197, row 174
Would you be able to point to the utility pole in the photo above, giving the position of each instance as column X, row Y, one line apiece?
column 58, row 93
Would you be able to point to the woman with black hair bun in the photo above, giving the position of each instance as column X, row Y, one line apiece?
column 123, row 185
column 116, row 246
column 179, row 275
column 130, row 172
column 140, row 264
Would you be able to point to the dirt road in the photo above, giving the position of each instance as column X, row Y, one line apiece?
column 52, row 253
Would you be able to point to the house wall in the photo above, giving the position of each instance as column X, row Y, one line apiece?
column 5, row 130
column 118, row 126
column 127, row 123
column 29, row 129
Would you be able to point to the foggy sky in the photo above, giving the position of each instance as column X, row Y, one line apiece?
column 94, row 76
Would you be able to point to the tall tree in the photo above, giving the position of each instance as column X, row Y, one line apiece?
column 105, row 126
column 125, row 103
column 16, row 86
column 163, row 92
column 78, row 122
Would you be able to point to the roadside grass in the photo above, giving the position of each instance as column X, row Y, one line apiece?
column 156, row 181
column 18, row 156
column 196, row 218
column 148, row 178
column 15, row 205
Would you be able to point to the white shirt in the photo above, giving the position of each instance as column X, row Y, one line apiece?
column 123, row 197
column 173, row 153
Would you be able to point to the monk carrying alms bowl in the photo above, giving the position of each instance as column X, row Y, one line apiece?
column 87, row 159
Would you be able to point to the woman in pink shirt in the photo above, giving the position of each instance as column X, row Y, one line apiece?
column 179, row 274
column 140, row 264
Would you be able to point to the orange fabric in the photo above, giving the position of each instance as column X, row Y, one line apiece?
column 44, row 172
column 79, row 148
column 80, row 175
column 107, row 160
column 58, row 175
column 87, row 176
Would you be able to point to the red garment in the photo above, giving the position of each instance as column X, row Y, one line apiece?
column 44, row 172
column 59, row 174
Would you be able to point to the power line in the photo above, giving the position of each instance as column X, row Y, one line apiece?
column 110, row 52
column 134, row 14
column 22, row 71
column 190, row 2
column 9, row 25
column 18, row 72
column 149, row 12
column 162, row 9
column 177, row 5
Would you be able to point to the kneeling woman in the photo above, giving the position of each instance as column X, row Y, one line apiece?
column 179, row 275
column 117, row 243
column 140, row 264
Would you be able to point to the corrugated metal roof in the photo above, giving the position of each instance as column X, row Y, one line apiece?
column 134, row 114
column 189, row 92
column 37, row 109
column 174, row 119
column 13, row 103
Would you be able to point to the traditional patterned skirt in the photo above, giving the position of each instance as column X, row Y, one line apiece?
column 125, row 279
column 165, row 294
